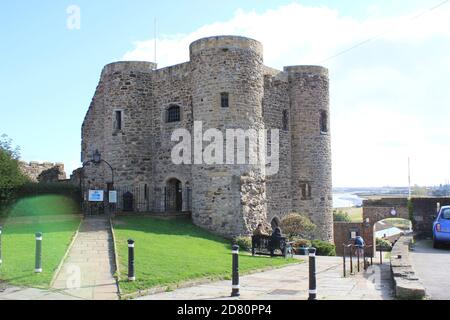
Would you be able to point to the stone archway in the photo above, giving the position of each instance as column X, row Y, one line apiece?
column 377, row 210
column 173, row 195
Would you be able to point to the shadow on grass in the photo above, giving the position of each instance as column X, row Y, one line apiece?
column 179, row 226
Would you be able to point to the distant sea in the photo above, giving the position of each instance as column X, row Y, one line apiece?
column 344, row 200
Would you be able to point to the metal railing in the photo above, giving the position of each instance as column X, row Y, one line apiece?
column 352, row 252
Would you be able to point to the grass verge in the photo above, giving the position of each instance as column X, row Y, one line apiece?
column 57, row 217
column 172, row 251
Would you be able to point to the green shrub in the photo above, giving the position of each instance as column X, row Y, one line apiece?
column 339, row 215
column 295, row 224
column 324, row 248
column 383, row 244
column 244, row 243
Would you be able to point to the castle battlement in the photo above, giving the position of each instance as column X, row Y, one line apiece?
column 226, row 42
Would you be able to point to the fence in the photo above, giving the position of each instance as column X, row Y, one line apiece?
column 142, row 199
column 353, row 253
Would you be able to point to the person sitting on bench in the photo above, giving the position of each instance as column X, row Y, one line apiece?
column 260, row 231
column 275, row 240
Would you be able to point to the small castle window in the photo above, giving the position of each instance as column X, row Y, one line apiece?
column 224, row 100
column 173, row 113
column 117, row 125
column 285, row 120
column 323, row 122
column 306, row 190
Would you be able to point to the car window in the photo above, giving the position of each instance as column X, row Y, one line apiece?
column 445, row 214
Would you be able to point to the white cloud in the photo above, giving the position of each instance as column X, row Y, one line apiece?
column 388, row 96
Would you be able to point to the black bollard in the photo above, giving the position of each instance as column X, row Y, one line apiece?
column 312, row 274
column 131, row 273
column 38, row 264
column 235, row 276
column 381, row 256
column 1, row 245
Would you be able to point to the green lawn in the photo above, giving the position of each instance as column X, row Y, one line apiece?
column 174, row 250
column 354, row 213
column 56, row 217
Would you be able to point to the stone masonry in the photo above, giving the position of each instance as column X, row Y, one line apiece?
column 43, row 172
column 128, row 122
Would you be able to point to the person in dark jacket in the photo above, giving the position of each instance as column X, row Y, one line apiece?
column 275, row 240
column 359, row 245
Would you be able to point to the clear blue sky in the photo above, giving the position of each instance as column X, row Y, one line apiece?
column 48, row 73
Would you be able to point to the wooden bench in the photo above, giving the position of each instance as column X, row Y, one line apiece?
column 266, row 245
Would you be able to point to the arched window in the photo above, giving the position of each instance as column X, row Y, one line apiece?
column 173, row 113
column 323, row 121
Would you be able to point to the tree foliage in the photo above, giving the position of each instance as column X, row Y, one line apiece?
column 339, row 215
column 295, row 224
column 11, row 177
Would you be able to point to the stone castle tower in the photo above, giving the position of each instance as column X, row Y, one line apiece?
column 225, row 85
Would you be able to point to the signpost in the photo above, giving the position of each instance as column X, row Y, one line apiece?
column 112, row 196
column 95, row 195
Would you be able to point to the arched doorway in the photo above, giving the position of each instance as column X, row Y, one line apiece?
column 173, row 195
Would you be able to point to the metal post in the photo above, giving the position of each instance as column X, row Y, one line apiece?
column 38, row 264
column 358, row 251
column 343, row 256
column 351, row 260
column 364, row 259
column 312, row 274
column 131, row 272
column 235, row 276
column 381, row 256
column 1, row 228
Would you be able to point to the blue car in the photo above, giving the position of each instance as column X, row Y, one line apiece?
column 441, row 227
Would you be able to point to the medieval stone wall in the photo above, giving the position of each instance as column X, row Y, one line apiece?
column 229, row 199
column 43, row 172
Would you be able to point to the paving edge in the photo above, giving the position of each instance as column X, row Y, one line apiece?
column 61, row 263
column 407, row 284
column 116, row 258
column 196, row 282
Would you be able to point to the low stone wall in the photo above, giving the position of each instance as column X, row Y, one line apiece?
column 407, row 284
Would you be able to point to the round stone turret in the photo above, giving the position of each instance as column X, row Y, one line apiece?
column 311, row 146
column 227, row 93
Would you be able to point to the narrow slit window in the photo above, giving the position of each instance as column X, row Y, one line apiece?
column 285, row 120
column 118, row 120
column 224, row 99
column 323, row 121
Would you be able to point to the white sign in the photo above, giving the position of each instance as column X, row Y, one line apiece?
column 112, row 197
column 353, row 234
column 95, row 195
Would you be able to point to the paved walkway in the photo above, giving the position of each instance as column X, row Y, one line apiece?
column 87, row 272
column 432, row 265
column 291, row 283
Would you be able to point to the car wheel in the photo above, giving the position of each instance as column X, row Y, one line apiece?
column 436, row 245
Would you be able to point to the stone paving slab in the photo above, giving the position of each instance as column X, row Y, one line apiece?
column 87, row 272
column 291, row 283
